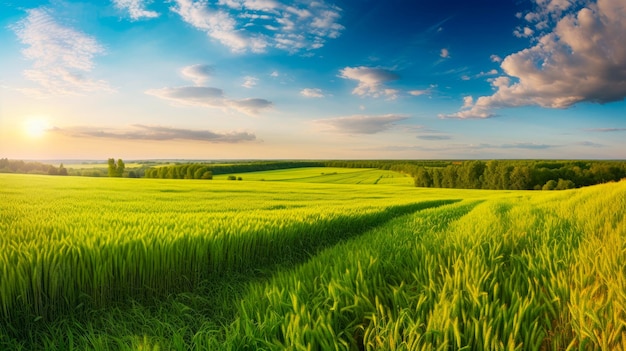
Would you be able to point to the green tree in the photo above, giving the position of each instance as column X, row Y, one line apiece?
column 550, row 185
column 119, row 171
column 62, row 170
column 112, row 167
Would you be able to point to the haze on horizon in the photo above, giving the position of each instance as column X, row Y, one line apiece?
column 271, row 79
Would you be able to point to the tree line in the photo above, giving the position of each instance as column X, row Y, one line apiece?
column 520, row 175
column 206, row 171
column 19, row 166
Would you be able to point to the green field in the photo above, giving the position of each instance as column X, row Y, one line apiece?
column 331, row 175
column 307, row 262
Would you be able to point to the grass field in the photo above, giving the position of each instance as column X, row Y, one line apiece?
column 145, row 264
column 330, row 175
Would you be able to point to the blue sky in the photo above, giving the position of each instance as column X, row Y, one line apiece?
column 268, row 79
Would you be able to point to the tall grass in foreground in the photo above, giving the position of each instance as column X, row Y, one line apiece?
column 539, row 273
column 69, row 253
column 498, row 271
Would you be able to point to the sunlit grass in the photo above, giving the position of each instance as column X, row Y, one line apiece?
column 331, row 175
column 127, row 264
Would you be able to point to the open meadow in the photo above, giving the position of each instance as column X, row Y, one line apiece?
column 345, row 260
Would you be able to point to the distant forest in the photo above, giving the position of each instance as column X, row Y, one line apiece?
column 494, row 174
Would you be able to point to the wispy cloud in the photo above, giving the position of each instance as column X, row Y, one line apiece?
column 360, row 124
column 62, row 56
column 256, row 25
column 250, row 82
column 606, row 130
column 578, row 56
column 434, row 137
column 156, row 133
column 371, row 81
column 419, row 92
column 589, row 144
column 199, row 74
column 312, row 93
column 136, row 8
column 208, row 96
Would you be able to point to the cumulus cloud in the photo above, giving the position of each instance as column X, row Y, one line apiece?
column 360, row 124
column 370, row 81
column 256, row 25
column 582, row 59
column 199, row 74
column 210, row 97
column 445, row 53
column 312, row 93
column 136, row 9
column 468, row 101
column 157, row 133
column 62, row 56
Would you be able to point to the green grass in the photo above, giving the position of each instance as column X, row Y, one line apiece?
column 142, row 264
column 331, row 175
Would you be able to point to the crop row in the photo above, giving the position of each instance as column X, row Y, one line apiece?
column 543, row 272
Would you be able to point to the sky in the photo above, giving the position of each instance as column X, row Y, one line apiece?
column 321, row 79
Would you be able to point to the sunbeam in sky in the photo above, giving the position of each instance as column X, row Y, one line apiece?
column 270, row 79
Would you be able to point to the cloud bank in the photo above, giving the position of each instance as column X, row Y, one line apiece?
column 256, row 25
column 360, row 124
column 62, row 56
column 157, row 133
column 582, row 58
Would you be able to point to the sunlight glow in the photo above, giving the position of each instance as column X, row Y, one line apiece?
column 36, row 127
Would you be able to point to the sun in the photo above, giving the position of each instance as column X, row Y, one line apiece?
column 36, row 127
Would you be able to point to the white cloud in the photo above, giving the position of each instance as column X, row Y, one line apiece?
column 468, row 101
column 360, row 124
column 250, row 82
column 312, row 92
column 419, row 92
column 525, row 32
column 275, row 74
column 62, row 56
column 495, row 58
column 370, row 81
column 199, row 74
column 136, row 8
column 582, row 59
column 445, row 53
column 256, row 25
